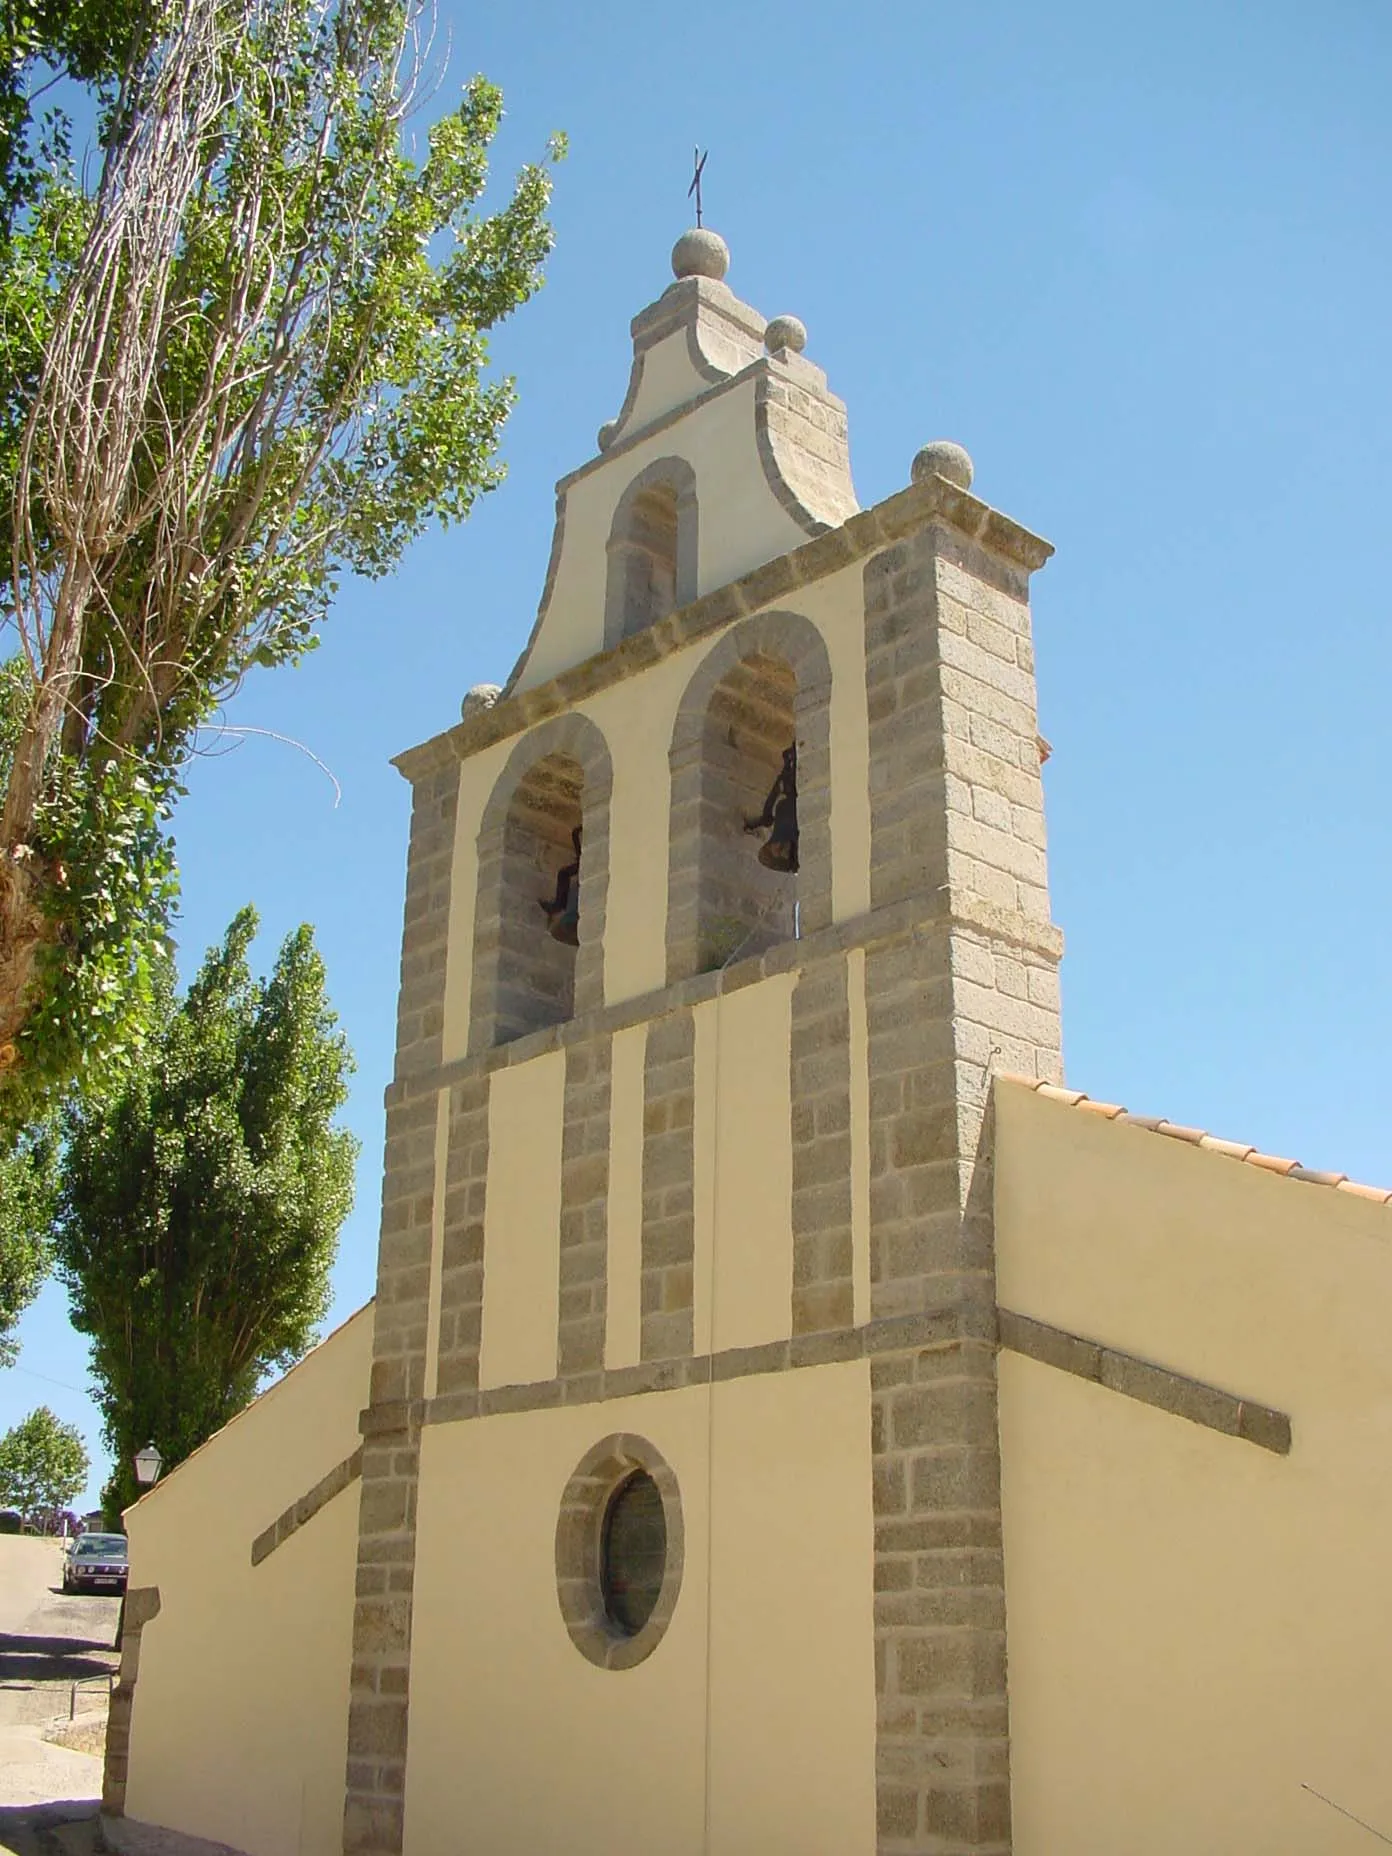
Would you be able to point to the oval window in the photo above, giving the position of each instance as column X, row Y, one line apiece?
column 633, row 1553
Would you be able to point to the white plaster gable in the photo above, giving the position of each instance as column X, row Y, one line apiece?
column 755, row 439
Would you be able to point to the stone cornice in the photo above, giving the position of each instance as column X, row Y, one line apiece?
column 949, row 1330
column 681, row 303
column 900, row 921
column 905, row 513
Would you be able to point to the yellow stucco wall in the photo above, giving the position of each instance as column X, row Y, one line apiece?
column 1198, row 1629
column 760, row 1727
column 522, row 1223
column 239, row 1729
column 743, row 1168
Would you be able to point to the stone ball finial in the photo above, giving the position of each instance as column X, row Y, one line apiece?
column 482, row 696
column 943, row 459
column 700, row 253
column 785, row 332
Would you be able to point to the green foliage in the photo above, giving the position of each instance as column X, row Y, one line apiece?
column 100, row 838
column 292, row 385
column 28, row 1187
column 200, row 1202
column 43, row 1465
column 84, row 40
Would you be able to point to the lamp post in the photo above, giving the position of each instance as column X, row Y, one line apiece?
column 148, row 1464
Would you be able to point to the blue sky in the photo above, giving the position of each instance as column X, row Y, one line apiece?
column 1137, row 261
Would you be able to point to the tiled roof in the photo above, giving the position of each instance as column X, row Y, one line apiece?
column 1196, row 1137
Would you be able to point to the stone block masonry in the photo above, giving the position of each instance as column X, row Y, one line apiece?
column 956, row 823
column 820, row 1078
column 379, row 1677
column 669, row 1205
column 584, row 1208
column 461, row 1262
column 420, row 1016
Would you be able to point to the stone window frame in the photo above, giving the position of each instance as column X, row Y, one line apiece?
column 672, row 473
column 579, row 1547
column 799, row 643
column 580, row 738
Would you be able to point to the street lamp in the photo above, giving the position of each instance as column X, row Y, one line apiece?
column 148, row 1464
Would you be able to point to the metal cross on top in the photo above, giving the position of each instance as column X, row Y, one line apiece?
column 695, row 186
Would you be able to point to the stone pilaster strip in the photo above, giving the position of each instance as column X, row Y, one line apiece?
column 957, row 824
column 420, row 1020
column 942, row 1718
column 304, row 1509
column 584, row 1203
column 389, row 1465
column 380, row 1674
column 461, row 1271
column 823, row 1293
column 943, row 1733
column 403, row 1257
column 1143, row 1380
column 669, row 1220
column 140, row 1604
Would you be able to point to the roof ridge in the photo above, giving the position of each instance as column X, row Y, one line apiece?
column 1199, row 1137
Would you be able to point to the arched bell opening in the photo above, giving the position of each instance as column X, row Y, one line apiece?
column 750, row 849
column 750, row 857
column 651, row 549
column 542, row 882
column 538, row 946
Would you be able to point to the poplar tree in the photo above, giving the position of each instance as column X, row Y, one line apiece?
column 250, row 356
column 28, row 1182
column 199, row 1205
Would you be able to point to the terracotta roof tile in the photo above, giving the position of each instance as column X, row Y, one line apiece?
column 1273, row 1163
column 1243, row 1150
column 1196, row 1137
column 1113, row 1111
column 1378, row 1194
column 1177, row 1133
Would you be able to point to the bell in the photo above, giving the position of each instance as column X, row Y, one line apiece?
column 565, row 927
column 780, row 812
column 562, row 911
column 780, row 852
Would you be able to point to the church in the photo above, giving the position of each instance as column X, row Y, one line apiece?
column 790, row 1422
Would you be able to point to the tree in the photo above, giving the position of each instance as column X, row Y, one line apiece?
column 252, row 357
column 28, row 1183
column 199, row 1205
column 43, row 1465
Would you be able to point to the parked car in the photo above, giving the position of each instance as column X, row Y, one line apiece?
column 96, row 1563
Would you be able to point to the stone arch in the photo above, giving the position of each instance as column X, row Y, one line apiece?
column 651, row 549
column 768, row 676
column 558, row 776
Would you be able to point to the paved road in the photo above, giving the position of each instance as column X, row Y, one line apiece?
column 47, row 1642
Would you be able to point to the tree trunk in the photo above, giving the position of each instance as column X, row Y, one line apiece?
column 25, row 929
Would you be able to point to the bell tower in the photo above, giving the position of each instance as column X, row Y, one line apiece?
column 720, row 914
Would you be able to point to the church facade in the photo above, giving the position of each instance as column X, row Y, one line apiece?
column 789, row 1419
